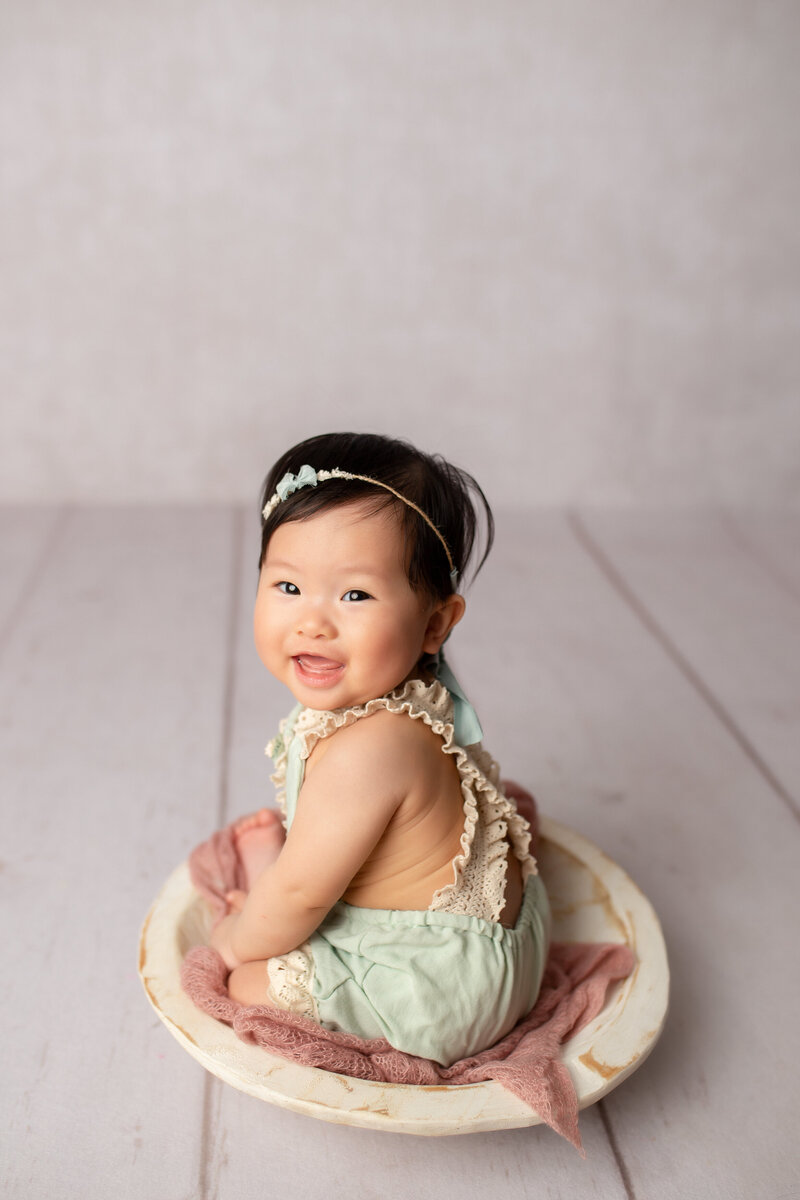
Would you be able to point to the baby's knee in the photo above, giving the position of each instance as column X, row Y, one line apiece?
column 248, row 983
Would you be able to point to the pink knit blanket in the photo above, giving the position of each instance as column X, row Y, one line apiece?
column 526, row 1061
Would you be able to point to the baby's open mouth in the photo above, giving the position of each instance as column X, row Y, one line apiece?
column 316, row 669
column 315, row 662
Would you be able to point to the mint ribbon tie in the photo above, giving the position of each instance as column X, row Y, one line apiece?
column 466, row 726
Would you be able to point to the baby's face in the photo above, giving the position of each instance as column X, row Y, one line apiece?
column 336, row 619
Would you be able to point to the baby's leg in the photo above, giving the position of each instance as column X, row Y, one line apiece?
column 248, row 984
column 258, row 839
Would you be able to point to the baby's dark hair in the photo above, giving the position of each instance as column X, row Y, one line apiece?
column 443, row 492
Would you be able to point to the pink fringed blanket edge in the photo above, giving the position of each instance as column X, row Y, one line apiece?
column 527, row 1061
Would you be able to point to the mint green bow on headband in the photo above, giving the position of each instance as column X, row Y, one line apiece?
column 466, row 726
column 305, row 477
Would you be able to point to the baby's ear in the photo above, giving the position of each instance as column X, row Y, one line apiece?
column 441, row 621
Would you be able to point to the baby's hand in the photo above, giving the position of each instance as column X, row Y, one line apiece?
column 221, row 940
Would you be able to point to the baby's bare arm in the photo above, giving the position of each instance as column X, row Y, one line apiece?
column 343, row 809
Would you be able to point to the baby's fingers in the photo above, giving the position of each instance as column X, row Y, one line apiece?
column 235, row 900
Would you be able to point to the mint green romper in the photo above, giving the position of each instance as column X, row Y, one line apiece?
column 445, row 982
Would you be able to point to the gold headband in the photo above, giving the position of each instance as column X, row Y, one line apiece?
column 308, row 477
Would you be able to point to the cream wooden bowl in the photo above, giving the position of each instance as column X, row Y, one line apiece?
column 592, row 899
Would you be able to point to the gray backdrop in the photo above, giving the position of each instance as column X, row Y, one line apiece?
column 558, row 242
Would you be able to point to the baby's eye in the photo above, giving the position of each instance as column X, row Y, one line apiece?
column 288, row 589
column 356, row 594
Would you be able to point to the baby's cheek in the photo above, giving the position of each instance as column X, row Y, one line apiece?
column 263, row 637
column 402, row 649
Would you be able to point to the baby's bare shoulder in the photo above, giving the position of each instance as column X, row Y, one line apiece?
column 386, row 730
column 384, row 741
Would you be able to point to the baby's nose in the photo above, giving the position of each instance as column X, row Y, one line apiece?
column 315, row 621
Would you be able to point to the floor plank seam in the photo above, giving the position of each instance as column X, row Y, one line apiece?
column 623, row 588
column 764, row 561
column 627, row 1183
column 31, row 580
column 228, row 691
column 205, row 1136
column 231, row 636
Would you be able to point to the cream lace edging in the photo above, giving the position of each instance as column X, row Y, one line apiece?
column 290, row 978
column 479, row 870
column 278, row 750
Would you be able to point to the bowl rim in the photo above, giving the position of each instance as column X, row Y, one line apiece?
column 599, row 1057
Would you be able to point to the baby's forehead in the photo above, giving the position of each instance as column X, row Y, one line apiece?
column 368, row 532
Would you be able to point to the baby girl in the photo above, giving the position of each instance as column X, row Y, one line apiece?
column 401, row 901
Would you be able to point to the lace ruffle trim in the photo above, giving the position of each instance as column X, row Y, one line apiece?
column 290, row 979
column 278, row 749
column 479, row 870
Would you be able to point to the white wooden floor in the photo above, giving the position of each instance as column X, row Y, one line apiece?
column 640, row 672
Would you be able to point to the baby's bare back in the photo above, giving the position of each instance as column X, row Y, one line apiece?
column 414, row 857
